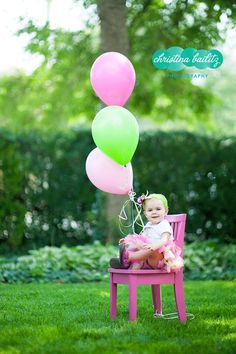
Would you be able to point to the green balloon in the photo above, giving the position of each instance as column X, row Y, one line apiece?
column 115, row 131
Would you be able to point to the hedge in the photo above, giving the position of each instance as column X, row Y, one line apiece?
column 46, row 198
column 198, row 176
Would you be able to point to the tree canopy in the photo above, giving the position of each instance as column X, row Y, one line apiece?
column 58, row 94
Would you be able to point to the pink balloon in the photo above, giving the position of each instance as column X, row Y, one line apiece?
column 112, row 77
column 108, row 175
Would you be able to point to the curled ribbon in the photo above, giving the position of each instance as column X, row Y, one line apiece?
column 136, row 218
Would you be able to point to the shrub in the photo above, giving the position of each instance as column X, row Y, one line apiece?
column 77, row 264
column 47, row 199
column 203, row 260
column 197, row 174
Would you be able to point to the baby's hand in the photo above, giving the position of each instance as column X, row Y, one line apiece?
column 142, row 245
column 121, row 241
column 148, row 247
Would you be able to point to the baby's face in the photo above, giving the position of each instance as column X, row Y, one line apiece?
column 154, row 210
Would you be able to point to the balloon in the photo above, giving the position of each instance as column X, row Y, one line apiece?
column 112, row 77
column 115, row 131
column 107, row 175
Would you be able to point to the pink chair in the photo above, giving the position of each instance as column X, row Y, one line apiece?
column 153, row 277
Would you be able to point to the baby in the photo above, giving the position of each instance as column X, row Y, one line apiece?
column 154, row 247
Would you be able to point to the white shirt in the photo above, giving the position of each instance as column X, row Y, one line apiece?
column 154, row 231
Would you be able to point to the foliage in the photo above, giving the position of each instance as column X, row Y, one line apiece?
column 63, row 265
column 219, row 84
column 45, row 194
column 210, row 260
column 11, row 184
column 58, row 94
column 71, row 318
column 155, row 25
column 46, row 198
column 197, row 174
column 203, row 260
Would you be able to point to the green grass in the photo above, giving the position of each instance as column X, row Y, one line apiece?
column 74, row 318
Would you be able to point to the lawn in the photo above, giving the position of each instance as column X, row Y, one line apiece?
column 74, row 318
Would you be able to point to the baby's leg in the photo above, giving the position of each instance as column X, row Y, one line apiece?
column 140, row 255
column 135, row 264
column 154, row 258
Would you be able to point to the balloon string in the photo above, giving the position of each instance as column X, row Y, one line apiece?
column 132, row 218
column 137, row 220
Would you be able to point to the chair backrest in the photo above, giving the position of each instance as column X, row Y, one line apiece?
column 177, row 223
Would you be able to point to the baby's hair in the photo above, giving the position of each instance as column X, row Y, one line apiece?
column 160, row 197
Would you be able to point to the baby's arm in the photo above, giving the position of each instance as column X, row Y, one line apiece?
column 138, row 244
column 155, row 246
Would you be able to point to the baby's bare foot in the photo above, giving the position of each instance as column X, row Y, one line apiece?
column 136, row 266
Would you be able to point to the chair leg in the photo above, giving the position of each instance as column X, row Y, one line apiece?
column 132, row 298
column 113, row 297
column 179, row 296
column 156, row 298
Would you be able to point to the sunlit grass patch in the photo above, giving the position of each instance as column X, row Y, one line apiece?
column 74, row 318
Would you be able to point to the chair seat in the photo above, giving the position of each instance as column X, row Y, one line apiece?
column 141, row 276
column 139, row 271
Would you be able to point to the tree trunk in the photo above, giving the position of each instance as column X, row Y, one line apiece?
column 114, row 38
column 114, row 32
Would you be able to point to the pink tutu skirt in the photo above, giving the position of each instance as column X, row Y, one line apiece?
column 136, row 241
column 172, row 261
column 172, row 256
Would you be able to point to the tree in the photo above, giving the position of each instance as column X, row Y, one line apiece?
column 114, row 32
column 59, row 95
